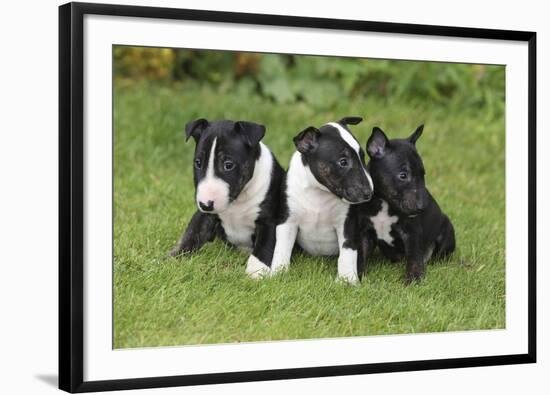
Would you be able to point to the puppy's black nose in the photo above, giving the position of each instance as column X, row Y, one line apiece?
column 366, row 193
column 209, row 206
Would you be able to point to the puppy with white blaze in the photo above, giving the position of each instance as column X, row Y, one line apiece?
column 326, row 178
column 237, row 188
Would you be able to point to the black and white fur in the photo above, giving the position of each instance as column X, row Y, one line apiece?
column 237, row 186
column 326, row 176
column 404, row 219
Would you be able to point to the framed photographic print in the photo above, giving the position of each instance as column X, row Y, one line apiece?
column 251, row 197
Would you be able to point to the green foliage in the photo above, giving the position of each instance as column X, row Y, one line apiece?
column 320, row 82
column 143, row 62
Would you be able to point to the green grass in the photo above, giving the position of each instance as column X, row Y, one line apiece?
column 207, row 298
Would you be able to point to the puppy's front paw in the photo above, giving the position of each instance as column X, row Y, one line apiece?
column 255, row 268
column 180, row 249
column 350, row 279
column 174, row 252
column 277, row 269
column 413, row 275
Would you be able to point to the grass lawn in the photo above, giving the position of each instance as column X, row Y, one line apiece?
column 207, row 298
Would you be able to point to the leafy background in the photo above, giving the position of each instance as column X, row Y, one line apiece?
column 318, row 82
column 206, row 297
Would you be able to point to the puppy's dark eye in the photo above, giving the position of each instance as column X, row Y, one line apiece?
column 403, row 175
column 198, row 163
column 228, row 165
column 343, row 162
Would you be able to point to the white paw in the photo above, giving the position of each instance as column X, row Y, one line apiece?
column 256, row 268
column 347, row 266
column 350, row 279
column 277, row 269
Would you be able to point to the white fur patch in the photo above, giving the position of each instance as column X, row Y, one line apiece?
column 285, row 239
column 382, row 224
column 428, row 254
column 370, row 180
column 256, row 268
column 238, row 219
column 315, row 210
column 346, row 136
column 347, row 260
column 350, row 140
column 212, row 188
column 347, row 266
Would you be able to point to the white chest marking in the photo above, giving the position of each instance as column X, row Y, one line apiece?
column 348, row 138
column 316, row 211
column 382, row 224
column 239, row 219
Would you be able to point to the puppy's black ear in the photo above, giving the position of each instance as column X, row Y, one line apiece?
column 416, row 135
column 194, row 128
column 306, row 140
column 250, row 131
column 350, row 120
column 377, row 143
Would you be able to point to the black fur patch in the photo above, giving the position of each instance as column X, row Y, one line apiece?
column 397, row 172
column 334, row 163
column 232, row 146
column 422, row 230
column 237, row 144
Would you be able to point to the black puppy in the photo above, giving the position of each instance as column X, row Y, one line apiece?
column 403, row 217
column 237, row 187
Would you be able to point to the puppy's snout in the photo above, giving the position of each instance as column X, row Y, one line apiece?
column 358, row 195
column 212, row 195
column 414, row 201
column 208, row 206
column 367, row 193
column 422, row 201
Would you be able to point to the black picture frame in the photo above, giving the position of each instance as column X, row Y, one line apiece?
column 71, row 197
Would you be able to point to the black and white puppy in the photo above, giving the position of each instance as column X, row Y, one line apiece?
column 403, row 216
column 237, row 186
column 326, row 176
